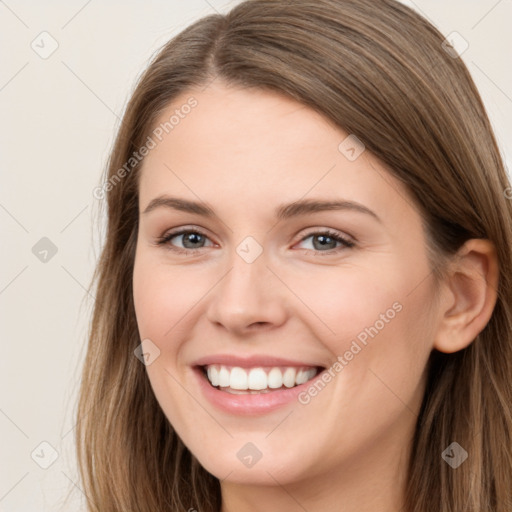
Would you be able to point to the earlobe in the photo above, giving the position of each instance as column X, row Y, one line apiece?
column 471, row 290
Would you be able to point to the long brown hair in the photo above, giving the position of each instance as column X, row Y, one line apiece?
column 377, row 70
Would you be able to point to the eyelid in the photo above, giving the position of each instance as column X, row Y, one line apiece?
column 324, row 230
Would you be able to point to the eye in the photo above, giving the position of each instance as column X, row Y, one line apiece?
column 191, row 239
column 327, row 241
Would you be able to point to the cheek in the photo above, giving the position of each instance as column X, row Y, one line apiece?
column 349, row 299
column 377, row 319
column 164, row 296
column 388, row 346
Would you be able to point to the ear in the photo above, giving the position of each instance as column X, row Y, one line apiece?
column 469, row 295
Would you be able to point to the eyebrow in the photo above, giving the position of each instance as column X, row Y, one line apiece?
column 282, row 212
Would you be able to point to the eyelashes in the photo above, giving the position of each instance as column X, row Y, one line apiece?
column 325, row 237
column 166, row 240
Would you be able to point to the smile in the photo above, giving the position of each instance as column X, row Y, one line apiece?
column 253, row 385
column 237, row 380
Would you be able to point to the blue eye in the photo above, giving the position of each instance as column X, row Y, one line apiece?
column 323, row 241
column 327, row 241
column 192, row 238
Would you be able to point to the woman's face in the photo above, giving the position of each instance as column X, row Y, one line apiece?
column 292, row 250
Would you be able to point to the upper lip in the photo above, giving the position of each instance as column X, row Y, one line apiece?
column 252, row 361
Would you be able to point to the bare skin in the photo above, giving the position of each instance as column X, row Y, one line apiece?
column 244, row 154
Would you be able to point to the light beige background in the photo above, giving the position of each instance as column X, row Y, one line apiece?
column 58, row 118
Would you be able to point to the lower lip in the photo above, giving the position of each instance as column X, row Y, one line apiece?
column 249, row 404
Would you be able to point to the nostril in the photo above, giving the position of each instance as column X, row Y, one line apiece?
column 255, row 324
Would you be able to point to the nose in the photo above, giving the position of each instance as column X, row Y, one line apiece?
column 248, row 298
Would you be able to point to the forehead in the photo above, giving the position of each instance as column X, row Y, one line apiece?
column 240, row 124
column 259, row 147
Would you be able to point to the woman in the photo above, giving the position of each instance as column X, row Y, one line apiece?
column 304, row 297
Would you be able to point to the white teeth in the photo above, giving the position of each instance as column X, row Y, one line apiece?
column 302, row 376
column 223, row 377
column 289, row 377
column 258, row 379
column 238, row 379
column 275, row 378
column 213, row 375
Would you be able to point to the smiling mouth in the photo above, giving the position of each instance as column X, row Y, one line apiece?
column 257, row 380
